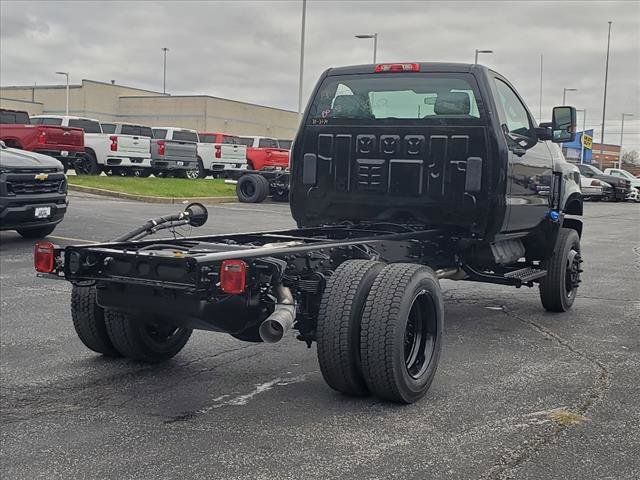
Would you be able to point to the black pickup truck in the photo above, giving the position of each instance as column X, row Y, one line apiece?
column 402, row 175
column 33, row 192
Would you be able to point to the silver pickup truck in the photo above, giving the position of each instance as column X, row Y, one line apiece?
column 174, row 151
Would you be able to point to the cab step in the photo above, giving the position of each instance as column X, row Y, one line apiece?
column 516, row 278
column 525, row 275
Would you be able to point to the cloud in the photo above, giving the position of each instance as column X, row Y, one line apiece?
column 249, row 51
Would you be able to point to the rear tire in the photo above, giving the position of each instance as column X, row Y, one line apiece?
column 36, row 232
column 87, row 165
column 139, row 172
column 88, row 321
column 338, row 330
column 559, row 288
column 401, row 332
column 252, row 188
column 143, row 339
column 199, row 171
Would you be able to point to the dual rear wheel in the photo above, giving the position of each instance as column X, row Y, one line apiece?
column 380, row 330
column 116, row 334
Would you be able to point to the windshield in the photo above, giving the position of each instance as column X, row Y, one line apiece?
column 247, row 141
column 593, row 169
column 373, row 98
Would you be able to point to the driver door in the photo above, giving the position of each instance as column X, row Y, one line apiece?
column 530, row 169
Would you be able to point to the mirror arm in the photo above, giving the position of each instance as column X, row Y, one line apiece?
column 543, row 132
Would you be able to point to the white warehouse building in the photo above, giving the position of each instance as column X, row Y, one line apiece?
column 118, row 103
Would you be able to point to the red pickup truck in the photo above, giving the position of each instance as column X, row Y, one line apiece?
column 264, row 153
column 64, row 143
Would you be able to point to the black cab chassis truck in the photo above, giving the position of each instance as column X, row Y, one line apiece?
column 402, row 175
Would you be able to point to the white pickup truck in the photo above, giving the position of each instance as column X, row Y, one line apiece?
column 218, row 152
column 126, row 152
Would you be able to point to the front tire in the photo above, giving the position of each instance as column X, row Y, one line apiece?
column 36, row 232
column 401, row 332
column 559, row 288
column 338, row 330
column 88, row 321
column 145, row 339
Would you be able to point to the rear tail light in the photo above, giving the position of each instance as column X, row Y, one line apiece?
column 397, row 67
column 218, row 153
column 43, row 257
column 42, row 138
column 114, row 143
column 233, row 276
column 160, row 147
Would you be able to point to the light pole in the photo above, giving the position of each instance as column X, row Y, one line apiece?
column 604, row 102
column 621, row 137
column 164, row 71
column 540, row 112
column 564, row 93
column 66, row 109
column 584, row 125
column 304, row 13
column 375, row 43
column 481, row 51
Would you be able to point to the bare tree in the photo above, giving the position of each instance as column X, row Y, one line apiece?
column 631, row 156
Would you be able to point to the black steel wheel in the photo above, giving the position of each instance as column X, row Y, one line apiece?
column 338, row 329
column 88, row 321
column 401, row 332
column 252, row 188
column 145, row 338
column 558, row 289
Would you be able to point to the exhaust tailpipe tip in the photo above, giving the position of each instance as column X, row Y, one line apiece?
column 271, row 331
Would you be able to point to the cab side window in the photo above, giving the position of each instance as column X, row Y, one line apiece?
column 516, row 117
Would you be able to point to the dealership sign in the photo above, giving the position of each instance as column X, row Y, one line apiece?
column 581, row 146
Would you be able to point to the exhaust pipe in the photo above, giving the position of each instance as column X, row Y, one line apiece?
column 281, row 320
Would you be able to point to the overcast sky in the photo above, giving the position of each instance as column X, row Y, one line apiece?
column 250, row 51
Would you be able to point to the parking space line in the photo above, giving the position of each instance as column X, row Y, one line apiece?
column 69, row 239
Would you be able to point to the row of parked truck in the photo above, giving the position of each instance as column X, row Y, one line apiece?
column 91, row 147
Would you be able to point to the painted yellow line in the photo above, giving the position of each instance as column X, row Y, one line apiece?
column 71, row 239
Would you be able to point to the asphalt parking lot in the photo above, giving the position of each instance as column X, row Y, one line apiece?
column 520, row 393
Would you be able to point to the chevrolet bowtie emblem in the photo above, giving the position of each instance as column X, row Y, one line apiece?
column 41, row 176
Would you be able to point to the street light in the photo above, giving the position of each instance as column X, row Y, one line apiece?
column 604, row 101
column 584, row 125
column 621, row 137
column 164, row 71
column 375, row 43
column 66, row 74
column 481, row 51
column 564, row 93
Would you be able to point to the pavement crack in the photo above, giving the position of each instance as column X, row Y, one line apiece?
column 512, row 459
column 237, row 400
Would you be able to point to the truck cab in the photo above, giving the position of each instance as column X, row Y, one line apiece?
column 448, row 145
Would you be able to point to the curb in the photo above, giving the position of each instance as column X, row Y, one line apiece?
column 150, row 199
